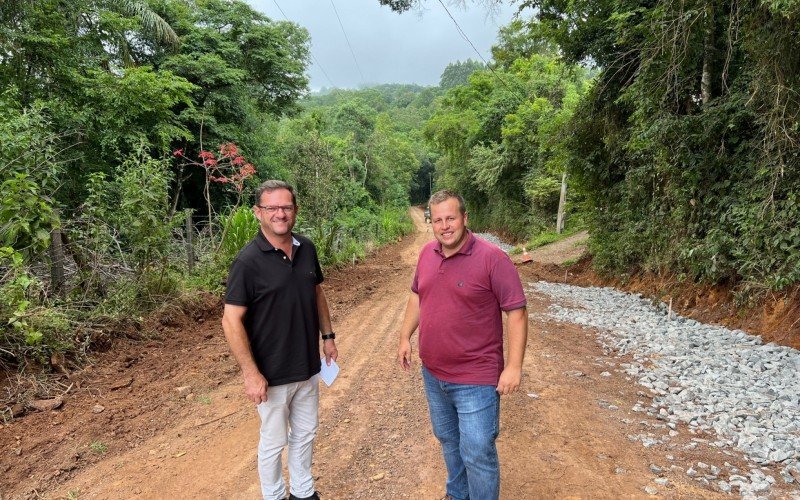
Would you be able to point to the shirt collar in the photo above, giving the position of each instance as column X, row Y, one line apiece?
column 466, row 248
column 264, row 244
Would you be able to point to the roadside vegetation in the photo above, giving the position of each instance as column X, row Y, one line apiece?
column 133, row 133
column 686, row 146
column 677, row 125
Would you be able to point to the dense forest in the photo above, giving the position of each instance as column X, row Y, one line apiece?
column 133, row 131
column 133, row 134
column 681, row 148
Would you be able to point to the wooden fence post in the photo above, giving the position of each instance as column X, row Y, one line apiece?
column 57, row 261
column 189, row 241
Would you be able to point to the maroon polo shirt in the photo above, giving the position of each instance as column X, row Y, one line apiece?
column 460, row 299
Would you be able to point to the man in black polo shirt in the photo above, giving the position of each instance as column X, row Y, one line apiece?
column 275, row 310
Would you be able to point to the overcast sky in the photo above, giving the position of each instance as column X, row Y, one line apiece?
column 389, row 47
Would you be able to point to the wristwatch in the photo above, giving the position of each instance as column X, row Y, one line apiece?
column 328, row 336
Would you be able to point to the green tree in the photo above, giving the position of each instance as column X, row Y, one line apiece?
column 47, row 44
column 30, row 171
column 520, row 39
column 457, row 73
column 503, row 137
column 686, row 147
column 76, row 61
column 248, row 71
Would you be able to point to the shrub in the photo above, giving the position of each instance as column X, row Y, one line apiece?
column 29, row 330
column 141, row 208
column 240, row 227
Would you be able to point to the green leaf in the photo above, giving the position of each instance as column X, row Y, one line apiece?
column 33, row 337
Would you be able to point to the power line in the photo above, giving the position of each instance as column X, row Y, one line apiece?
column 347, row 40
column 309, row 52
column 465, row 37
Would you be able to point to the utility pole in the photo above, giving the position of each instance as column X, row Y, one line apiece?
column 562, row 201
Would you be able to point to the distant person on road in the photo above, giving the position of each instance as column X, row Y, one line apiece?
column 461, row 285
column 274, row 312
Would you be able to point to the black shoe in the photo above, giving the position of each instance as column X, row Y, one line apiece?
column 315, row 496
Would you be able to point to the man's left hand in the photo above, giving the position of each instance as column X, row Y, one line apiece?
column 331, row 353
column 509, row 381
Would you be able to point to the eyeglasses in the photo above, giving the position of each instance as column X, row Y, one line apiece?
column 288, row 209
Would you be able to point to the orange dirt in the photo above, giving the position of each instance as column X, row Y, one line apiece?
column 375, row 441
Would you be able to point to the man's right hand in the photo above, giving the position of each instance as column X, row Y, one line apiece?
column 404, row 354
column 255, row 386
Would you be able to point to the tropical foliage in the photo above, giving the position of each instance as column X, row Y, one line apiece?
column 503, row 141
column 686, row 148
column 681, row 151
column 133, row 132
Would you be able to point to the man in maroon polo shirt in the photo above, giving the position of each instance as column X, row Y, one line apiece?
column 461, row 285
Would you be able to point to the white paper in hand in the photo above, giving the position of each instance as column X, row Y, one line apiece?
column 328, row 373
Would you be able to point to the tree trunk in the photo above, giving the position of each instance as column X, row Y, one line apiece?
column 178, row 189
column 708, row 53
column 80, row 261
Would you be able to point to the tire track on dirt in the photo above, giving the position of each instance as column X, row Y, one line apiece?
column 386, row 438
column 373, row 447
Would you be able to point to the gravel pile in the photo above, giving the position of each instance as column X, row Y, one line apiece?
column 495, row 241
column 720, row 381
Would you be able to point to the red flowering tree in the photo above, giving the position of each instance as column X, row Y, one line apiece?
column 227, row 167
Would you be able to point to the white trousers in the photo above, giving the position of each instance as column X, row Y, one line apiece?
column 289, row 416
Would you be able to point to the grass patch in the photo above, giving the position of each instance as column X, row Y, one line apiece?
column 548, row 237
column 98, row 447
column 543, row 239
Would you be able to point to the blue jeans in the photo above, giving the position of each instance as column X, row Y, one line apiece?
column 466, row 421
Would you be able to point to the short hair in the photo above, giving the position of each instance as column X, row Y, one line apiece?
column 273, row 185
column 446, row 194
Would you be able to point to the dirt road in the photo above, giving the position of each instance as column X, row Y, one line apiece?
column 146, row 439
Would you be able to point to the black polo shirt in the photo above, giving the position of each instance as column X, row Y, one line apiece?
column 281, row 321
